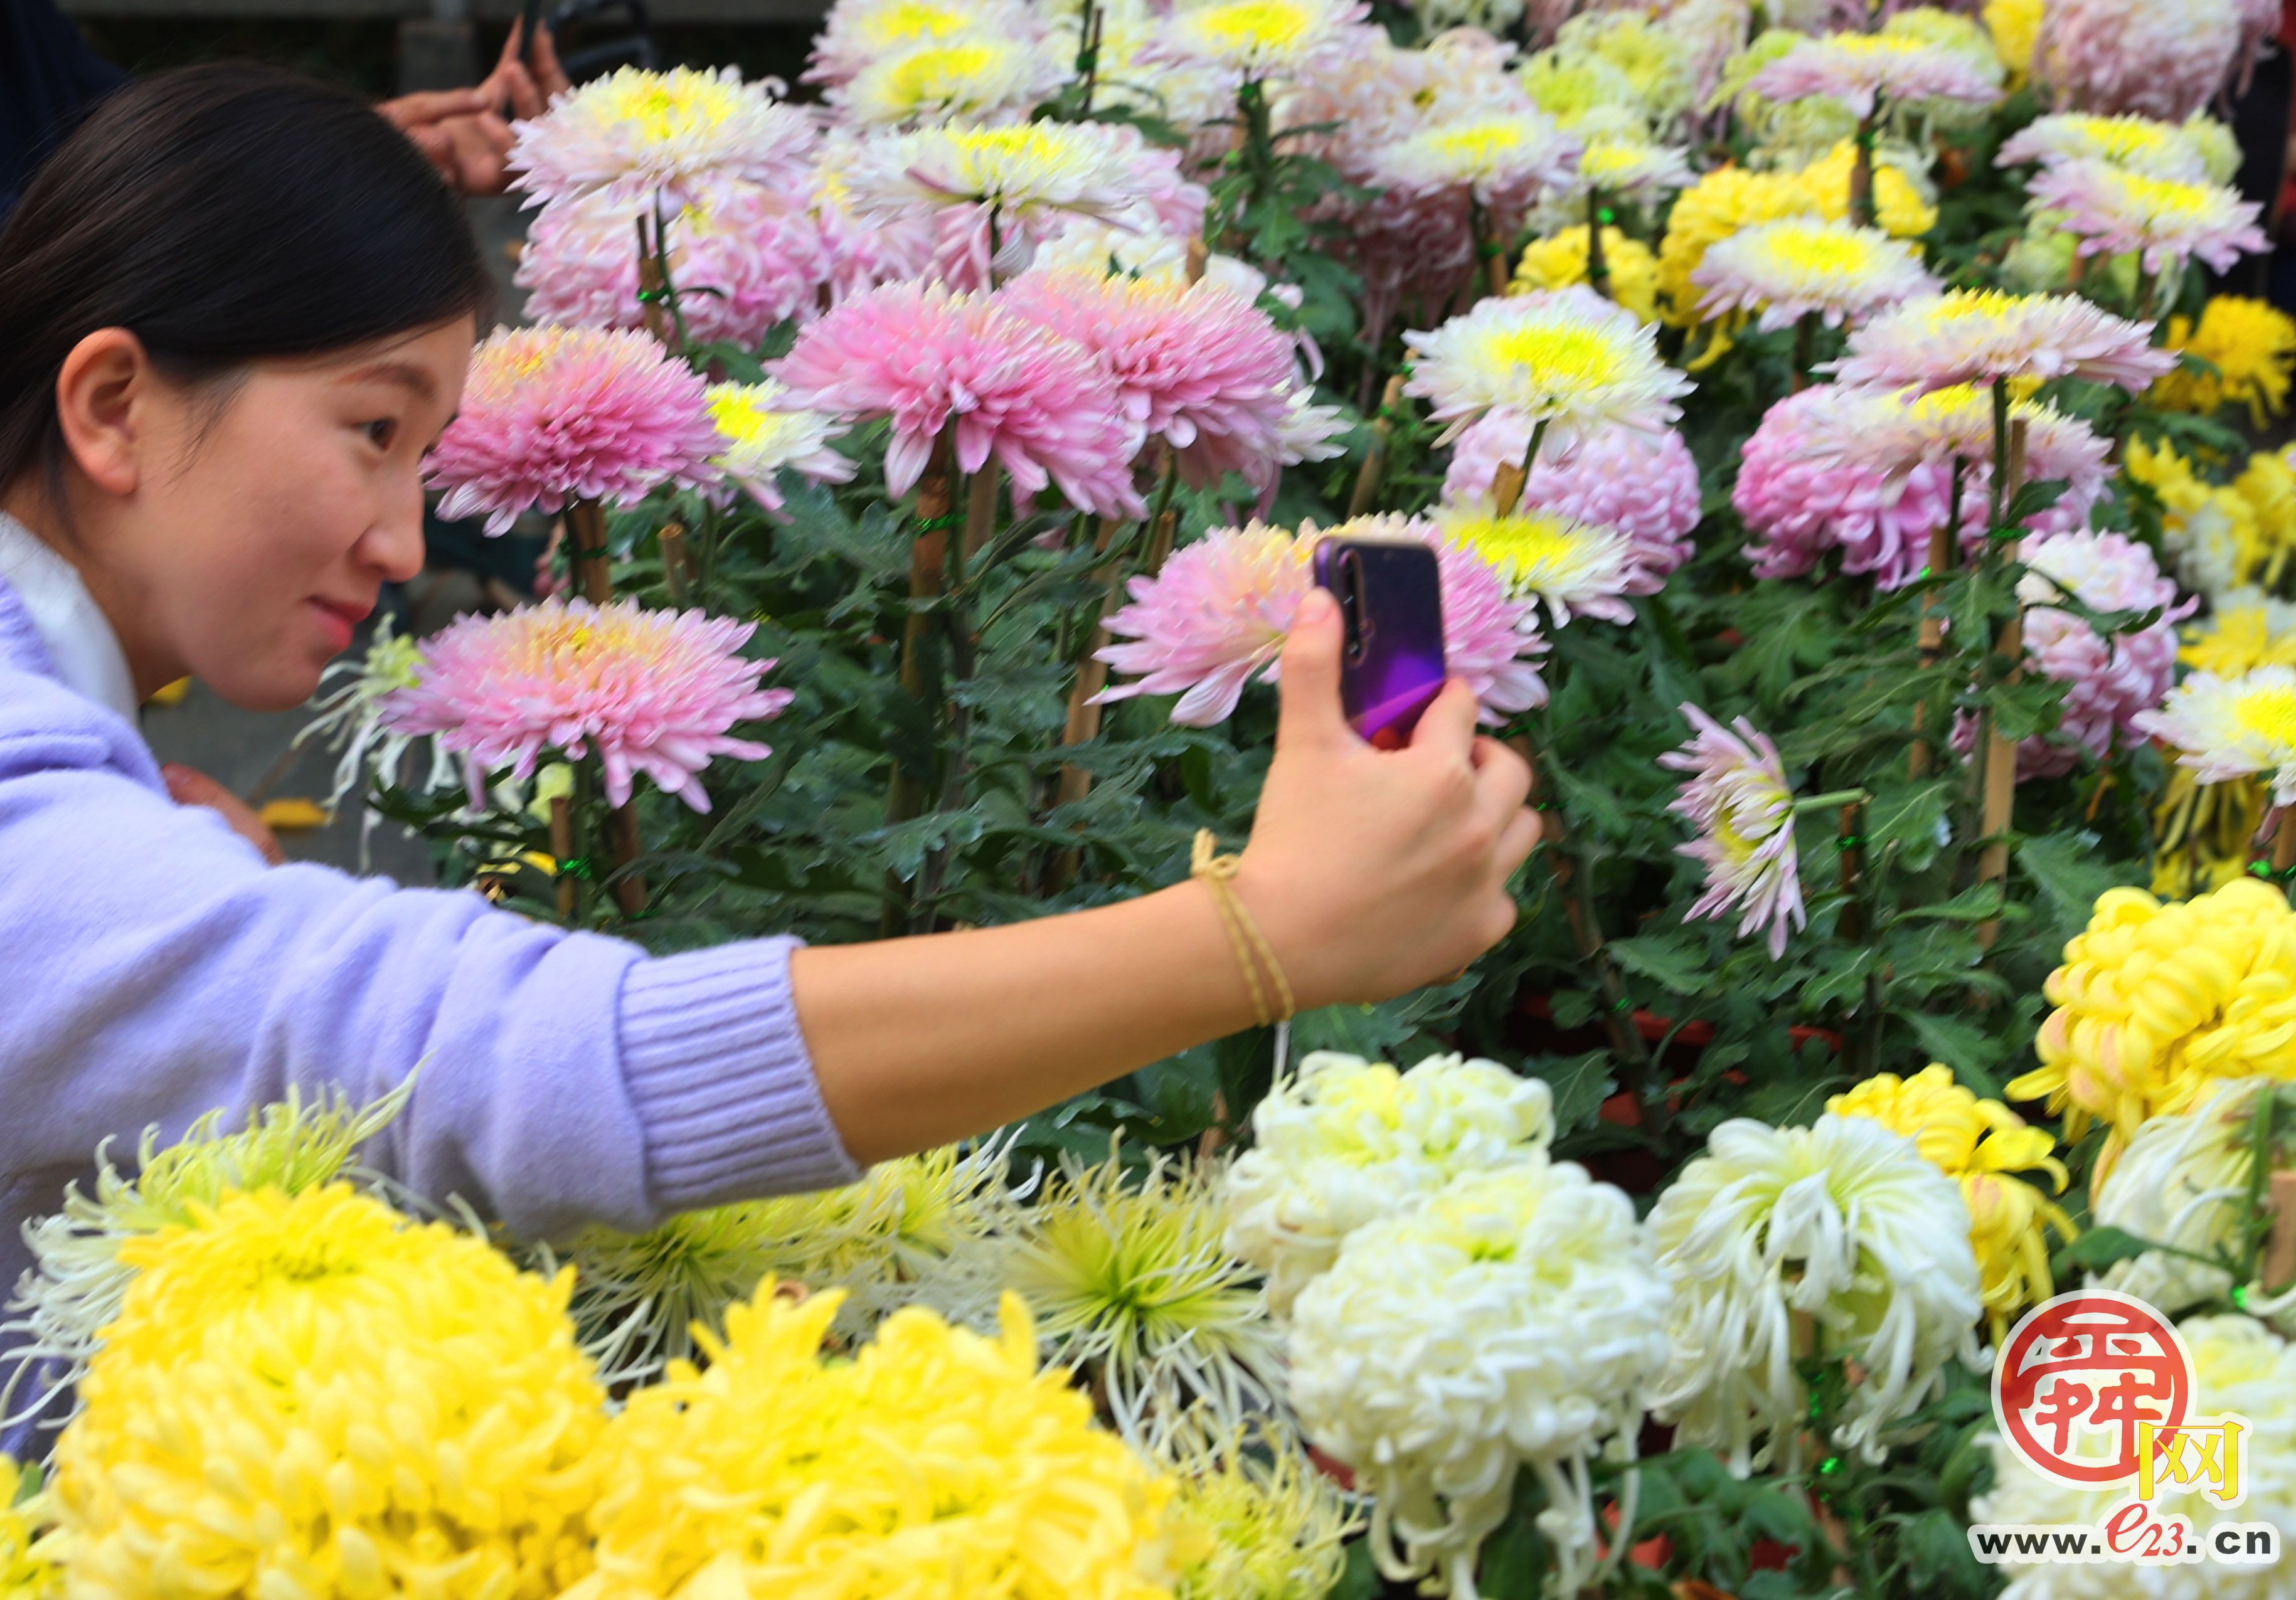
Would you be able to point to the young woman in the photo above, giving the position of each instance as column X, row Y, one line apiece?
column 235, row 309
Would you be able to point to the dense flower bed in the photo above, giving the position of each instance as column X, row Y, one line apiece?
column 1832, row 449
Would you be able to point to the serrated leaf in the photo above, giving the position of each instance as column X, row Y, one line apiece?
column 1673, row 959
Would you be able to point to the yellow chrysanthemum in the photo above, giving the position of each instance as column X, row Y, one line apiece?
column 312, row 1395
column 24, row 1576
column 2157, row 1002
column 2252, row 344
column 1979, row 1143
column 1568, row 90
column 2015, row 26
column 1254, row 37
column 2209, row 531
column 1557, row 262
column 1899, row 207
column 2202, row 833
column 935, row 1461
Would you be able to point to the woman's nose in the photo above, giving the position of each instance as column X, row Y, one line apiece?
column 393, row 546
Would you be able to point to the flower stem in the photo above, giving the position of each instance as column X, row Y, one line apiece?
column 928, row 557
column 1862, row 212
column 585, row 534
column 1805, row 340
column 1598, row 270
column 1997, row 773
column 1831, row 799
column 1375, row 460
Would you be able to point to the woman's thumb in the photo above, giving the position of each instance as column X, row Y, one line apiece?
column 1309, row 685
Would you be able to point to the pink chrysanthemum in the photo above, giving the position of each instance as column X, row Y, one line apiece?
column 1213, row 619
column 1042, row 406
column 1202, row 371
column 552, row 415
column 1217, row 615
column 645, row 131
column 1490, row 637
column 1645, row 486
column 2109, row 682
column 865, row 252
column 1976, row 335
column 2158, row 58
column 740, row 260
column 2116, row 211
column 652, row 692
column 857, row 33
column 1738, row 799
column 1861, row 69
column 1870, row 472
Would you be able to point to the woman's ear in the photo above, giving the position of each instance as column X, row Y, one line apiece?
column 104, row 391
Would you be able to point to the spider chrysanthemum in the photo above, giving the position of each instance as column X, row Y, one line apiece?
column 1739, row 800
column 1005, row 388
column 553, row 414
column 1978, row 335
column 1804, row 266
column 1130, row 1277
column 641, row 131
column 1566, row 358
column 657, row 693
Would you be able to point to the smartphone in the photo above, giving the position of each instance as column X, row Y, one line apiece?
column 1391, row 616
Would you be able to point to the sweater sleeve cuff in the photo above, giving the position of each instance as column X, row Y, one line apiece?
column 721, row 1081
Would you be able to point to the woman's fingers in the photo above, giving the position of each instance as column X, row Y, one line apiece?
column 1502, row 777
column 410, row 112
column 1519, row 838
column 1308, row 717
column 189, row 786
column 1446, row 727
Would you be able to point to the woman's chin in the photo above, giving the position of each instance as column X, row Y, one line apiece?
column 268, row 685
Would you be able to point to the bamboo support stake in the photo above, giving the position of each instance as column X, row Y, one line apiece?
column 585, row 535
column 1375, row 460
column 652, row 307
column 677, row 563
column 562, row 850
column 2280, row 1244
column 2000, row 774
column 979, row 509
column 1943, row 547
column 622, row 834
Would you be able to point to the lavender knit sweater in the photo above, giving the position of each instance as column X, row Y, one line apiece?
column 153, row 968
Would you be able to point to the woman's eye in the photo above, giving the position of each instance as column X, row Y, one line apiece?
column 381, row 433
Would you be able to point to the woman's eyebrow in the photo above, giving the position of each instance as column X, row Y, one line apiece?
column 404, row 374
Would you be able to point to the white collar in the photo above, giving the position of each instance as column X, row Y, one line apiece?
column 87, row 653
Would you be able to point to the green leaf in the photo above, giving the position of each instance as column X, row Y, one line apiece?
column 1980, row 902
column 2097, row 1249
column 1579, row 1085
column 1673, row 959
column 1968, row 1049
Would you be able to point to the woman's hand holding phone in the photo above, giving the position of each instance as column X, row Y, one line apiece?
column 1375, row 872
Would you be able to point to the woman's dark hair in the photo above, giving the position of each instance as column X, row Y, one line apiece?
column 223, row 214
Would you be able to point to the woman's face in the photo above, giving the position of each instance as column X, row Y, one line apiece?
column 264, row 513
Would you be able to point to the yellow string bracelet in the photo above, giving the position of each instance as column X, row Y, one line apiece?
column 1254, row 953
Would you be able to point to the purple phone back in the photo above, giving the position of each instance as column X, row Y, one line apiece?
column 1392, row 667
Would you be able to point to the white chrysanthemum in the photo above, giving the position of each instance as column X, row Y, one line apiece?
column 1978, row 335
column 1510, row 1319
column 77, row 1282
column 1842, row 1222
column 1802, row 265
column 1488, row 153
column 2182, row 1182
column 349, row 720
column 1347, row 1140
column 2226, row 728
column 1131, row 1279
column 1626, row 166
column 1256, row 39
column 1310, row 431
column 654, row 130
column 859, row 32
column 2240, row 1366
column 1084, row 167
column 763, row 435
column 1576, row 567
column 2138, row 143
column 974, row 75
column 1564, row 357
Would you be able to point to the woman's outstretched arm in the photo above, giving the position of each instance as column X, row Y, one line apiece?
column 1370, row 872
